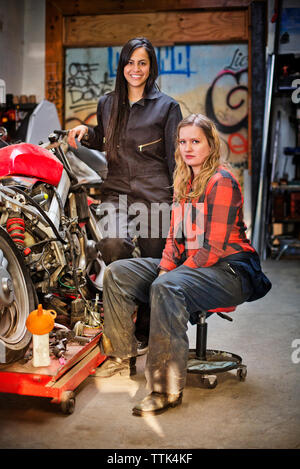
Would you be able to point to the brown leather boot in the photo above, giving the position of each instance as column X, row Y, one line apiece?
column 156, row 403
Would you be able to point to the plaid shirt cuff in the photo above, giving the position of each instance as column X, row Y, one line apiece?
column 166, row 265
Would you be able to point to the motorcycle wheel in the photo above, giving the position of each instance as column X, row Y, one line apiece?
column 15, row 305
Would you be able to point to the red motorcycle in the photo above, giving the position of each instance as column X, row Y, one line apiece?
column 48, row 238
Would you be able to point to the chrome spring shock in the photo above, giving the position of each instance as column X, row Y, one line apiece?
column 15, row 226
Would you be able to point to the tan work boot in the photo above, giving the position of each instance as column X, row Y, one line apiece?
column 156, row 403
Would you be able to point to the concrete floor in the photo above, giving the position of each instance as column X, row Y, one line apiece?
column 261, row 413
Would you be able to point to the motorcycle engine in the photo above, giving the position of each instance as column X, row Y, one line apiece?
column 57, row 266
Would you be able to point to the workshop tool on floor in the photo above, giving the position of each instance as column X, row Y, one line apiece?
column 59, row 380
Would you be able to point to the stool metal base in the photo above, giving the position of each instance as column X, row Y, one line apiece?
column 217, row 361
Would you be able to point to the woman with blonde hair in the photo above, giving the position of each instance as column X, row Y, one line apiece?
column 184, row 169
column 208, row 262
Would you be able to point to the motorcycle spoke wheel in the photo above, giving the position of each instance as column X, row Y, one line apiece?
column 14, row 336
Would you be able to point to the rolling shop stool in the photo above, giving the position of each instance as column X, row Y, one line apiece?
column 207, row 363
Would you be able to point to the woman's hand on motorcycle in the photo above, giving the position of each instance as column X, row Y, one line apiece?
column 77, row 132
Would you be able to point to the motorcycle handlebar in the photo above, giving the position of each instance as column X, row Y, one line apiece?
column 61, row 133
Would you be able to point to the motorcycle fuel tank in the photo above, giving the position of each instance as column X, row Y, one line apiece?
column 27, row 159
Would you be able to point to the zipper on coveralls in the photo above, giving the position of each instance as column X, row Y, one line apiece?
column 150, row 143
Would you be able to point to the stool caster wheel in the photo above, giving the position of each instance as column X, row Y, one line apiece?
column 209, row 381
column 68, row 402
column 242, row 373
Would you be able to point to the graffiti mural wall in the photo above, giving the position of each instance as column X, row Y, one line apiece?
column 210, row 79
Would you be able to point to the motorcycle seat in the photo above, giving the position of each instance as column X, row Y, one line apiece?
column 94, row 159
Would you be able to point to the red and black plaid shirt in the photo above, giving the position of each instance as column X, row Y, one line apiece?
column 205, row 230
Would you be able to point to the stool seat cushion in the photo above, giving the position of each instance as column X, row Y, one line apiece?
column 194, row 316
column 229, row 309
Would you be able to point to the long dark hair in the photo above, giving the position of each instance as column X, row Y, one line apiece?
column 120, row 105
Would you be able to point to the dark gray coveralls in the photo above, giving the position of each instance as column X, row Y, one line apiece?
column 144, row 170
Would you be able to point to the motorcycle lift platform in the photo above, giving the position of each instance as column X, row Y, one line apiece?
column 58, row 380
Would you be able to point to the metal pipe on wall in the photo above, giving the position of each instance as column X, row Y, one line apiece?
column 258, row 239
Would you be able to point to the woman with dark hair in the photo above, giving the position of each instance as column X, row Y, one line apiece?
column 208, row 262
column 136, row 127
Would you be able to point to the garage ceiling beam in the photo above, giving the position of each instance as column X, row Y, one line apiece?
column 162, row 28
column 94, row 7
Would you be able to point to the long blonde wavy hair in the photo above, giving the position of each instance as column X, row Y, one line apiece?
column 183, row 173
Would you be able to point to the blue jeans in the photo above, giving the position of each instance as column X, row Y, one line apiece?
column 173, row 298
